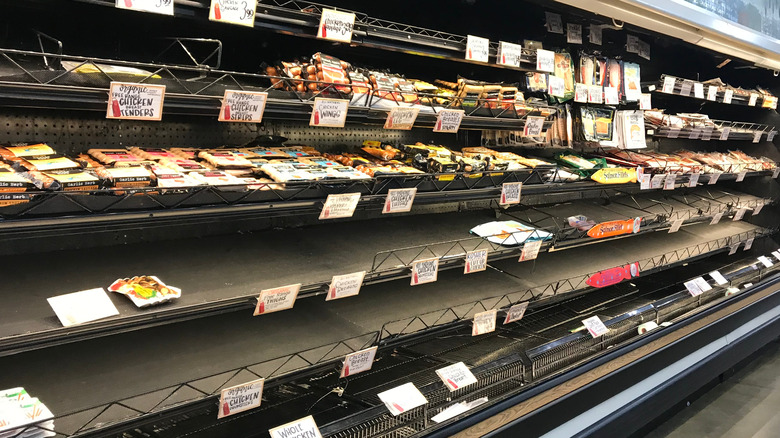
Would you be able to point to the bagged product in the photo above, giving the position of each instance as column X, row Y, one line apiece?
column 145, row 290
column 509, row 233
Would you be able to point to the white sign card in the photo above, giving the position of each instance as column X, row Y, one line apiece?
column 241, row 12
column 733, row 248
column 645, row 181
column 757, row 209
column 719, row 278
column 573, row 33
column 545, row 60
column 669, row 181
column 776, row 173
column 611, row 96
column 457, row 409
column 557, row 86
column 674, row 132
column 399, row 200
column 240, row 398
column 530, row 250
column 274, row 300
column 581, row 93
column 131, row 101
column 724, row 134
column 456, row 376
column 477, row 49
column 685, row 89
column 695, row 133
column 707, row 133
column 80, row 307
column 336, row 25
column 425, row 271
column 739, row 214
column 595, row 34
column 358, row 362
column 741, row 176
column 693, row 179
column 776, row 254
column 676, row 226
column 658, row 181
column 242, row 106
column 511, row 193
column 534, row 125
column 698, row 90
column 595, row 327
column 765, row 261
column 645, row 102
column 401, row 118
column 644, row 50
column 516, row 312
column 753, row 99
column 402, row 398
column 595, row 94
column 771, row 136
column 757, row 136
column 716, row 218
column 476, row 261
column 697, row 286
column 748, row 244
column 164, row 7
column 632, row 44
column 448, row 120
column 669, row 82
column 727, row 96
column 713, row 178
column 347, row 285
column 304, row 428
column 340, row 206
column 554, row 22
column 484, row 322
column 329, row 112
column 509, row 54
column 712, row 93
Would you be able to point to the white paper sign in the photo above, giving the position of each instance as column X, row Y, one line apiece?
column 358, row 362
column 241, row 12
column 511, row 193
column 456, row 376
column 329, row 112
column 80, row 307
column 581, row 93
column 595, row 327
column 727, row 96
column 685, row 89
column 644, row 50
column 477, row 49
column 242, row 106
column 658, row 181
column 484, row 322
column 753, row 99
column 733, row 248
column 697, row 286
column 669, row 181
column 509, row 54
column 557, row 86
column 719, row 278
column 401, row 118
column 131, row 101
column 402, row 398
column 712, row 93
column 748, row 244
column 776, row 254
column 476, row 261
column 756, row 136
column 771, row 136
column 240, row 398
column 554, row 23
column 645, row 182
column 713, row 178
column 765, row 260
column 669, row 82
column 339, row 206
column 611, row 96
column 674, row 132
column 534, row 125
column 776, row 173
column 595, row 94
column 545, row 60
column 644, row 101
column 757, row 209
column 448, row 120
column 457, row 409
column 304, row 428
column 707, row 133
column 530, row 250
column 739, row 214
column 399, row 200
column 695, row 133
column 573, row 33
column 156, row 6
column 516, row 312
column 698, row 90
column 716, row 218
column 724, row 134
column 425, row 271
column 632, row 44
column 347, row 285
column 336, row 25
column 595, row 34
column 676, row 226
column 693, row 179
column 741, row 176
column 274, row 300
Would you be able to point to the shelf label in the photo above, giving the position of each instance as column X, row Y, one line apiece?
column 695, row 133
column 658, row 181
column 776, row 172
column 457, row 409
column 716, row 218
column 545, row 60
column 509, row 54
column 706, row 135
column 275, row 300
column 765, row 260
column 304, row 428
column 611, row 96
column 595, row 34
column 402, row 398
column 676, row 226
column 727, row 96
column 241, row 12
column 399, row 200
column 669, row 82
column 530, row 250
column 693, row 179
column 741, row 176
column 581, row 93
column 719, row 278
column 748, row 244
column 757, row 209
column 456, row 376
column 669, row 181
column 673, row 132
column 329, row 112
column 644, row 50
column 776, row 254
column 534, row 125
column 724, row 134
column 336, row 25
column 714, row 178
column 358, row 362
column 131, row 101
column 632, row 44
column 595, row 327
column 733, row 248
column 448, row 120
column 644, row 101
column 557, row 86
column 757, row 136
column 347, row 285
column 698, row 90
column 425, row 271
column 645, row 181
column 477, row 49
column 484, row 322
column 242, row 106
column 340, row 206
column 712, row 93
column 573, row 33
column 240, row 398
column 401, row 118
column 516, row 312
column 164, row 7
column 476, row 261
column 510, row 193
column 84, row 306
column 554, row 23
column 771, row 136
column 685, row 90
column 595, row 94
column 697, row 286
column 739, row 214
column 753, row 99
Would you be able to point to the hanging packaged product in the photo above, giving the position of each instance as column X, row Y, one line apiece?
column 145, row 290
column 332, row 71
column 564, row 69
column 631, row 82
column 597, row 124
column 586, row 74
column 631, row 129
column 615, row 76
column 536, row 82
column 510, row 233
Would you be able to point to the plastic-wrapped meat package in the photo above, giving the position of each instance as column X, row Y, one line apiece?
column 615, row 76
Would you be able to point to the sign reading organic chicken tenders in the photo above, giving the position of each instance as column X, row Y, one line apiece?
column 131, row 101
column 336, row 25
column 448, row 120
column 240, row 398
column 358, row 362
column 274, row 300
column 242, row 106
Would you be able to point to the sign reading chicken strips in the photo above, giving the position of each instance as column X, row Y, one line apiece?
column 240, row 398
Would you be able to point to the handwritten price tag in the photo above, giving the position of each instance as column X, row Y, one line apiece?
column 476, row 261
column 448, row 120
column 724, row 134
column 669, row 180
column 545, row 60
column 644, row 102
column 727, row 96
column 456, row 376
column 557, row 86
column 164, row 7
column 401, row 118
column 399, row 200
column 342, row 286
column 611, row 96
column 477, row 49
column 509, row 54
column 554, row 22
column 510, row 193
column 669, row 82
column 595, row 34
column 304, row 428
column 243, row 106
column 358, row 362
column 336, row 25
column 685, row 90
column 329, row 112
column 595, row 94
column 595, row 327
column 241, row 12
column 581, row 93
column 533, row 126
column 484, row 322
column 693, row 179
column 274, row 300
column 425, row 271
column 712, row 93
column 530, row 250
column 340, row 206
column 573, row 33
column 132, row 101
column 698, row 90
column 516, row 312
column 714, row 178
column 240, row 398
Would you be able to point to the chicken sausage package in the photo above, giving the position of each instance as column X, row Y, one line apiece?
column 331, row 70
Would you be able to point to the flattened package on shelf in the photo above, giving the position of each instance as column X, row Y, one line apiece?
column 24, row 416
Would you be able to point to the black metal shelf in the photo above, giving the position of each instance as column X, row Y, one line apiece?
column 737, row 99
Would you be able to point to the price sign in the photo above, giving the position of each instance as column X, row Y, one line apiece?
column 595, row 327
column 695, row 133
column 739, row 214
column 756, row 136
column 304, row 428
column 557, row 86
column 240, row 398
column 131, row 101
column 241, row 12
column 274, row 300
column 712, row 93
column 510, row 193
column 675, row 226
column 509, row 54
column 727, row 96
column 336, row 25
column 669, row 82
column 516, row 312
column 242, row 106
column 776, row 173
column 425, row 271
column 339, row 206
column 669, row 181
column 611, row 96
column 719, row 278
column 748, row 244
column 573, row 33
column 771, row 136
column 402, row 398
column 693, row 179
column 595, row 34
column 713, row 178
column 757, row 209
column 164, row 7
column 765, row 261
column 645, row 182
column 545, row 60
column 554, row 23
column 80, row 307
column 658, row 181
column 685, row 90
column 733, row 248
column 741, row 176
column 716, row 218
column 456, row 376
column 581, row 93
column 530, row 250
column 753, row 99
column 724, row 134
column 673, row 132
column 706, row 134
column 358, row 362
column 448, row 120
column 476, row 261
column 484, row 322
column 697, row 286
column 342, row 286
column 477, row 49
column 329, row 112
column 399, row 200
column 632, row 44
column 533, row 125
column 776, row 254
column 401, row 118
column 644, row 50
column 595, row 94
column 698, row 90
column 644, row 101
